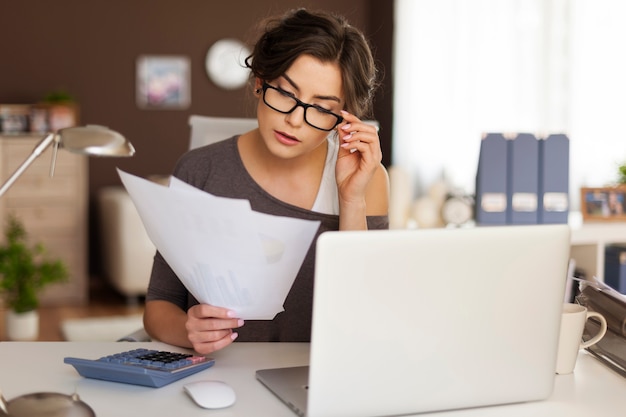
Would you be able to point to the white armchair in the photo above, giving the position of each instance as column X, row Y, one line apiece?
column 206, row 130
column 127, row 251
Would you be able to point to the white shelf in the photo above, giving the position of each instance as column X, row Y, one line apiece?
column 589, row 240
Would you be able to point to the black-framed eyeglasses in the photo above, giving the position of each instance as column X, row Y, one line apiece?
column 285, row 103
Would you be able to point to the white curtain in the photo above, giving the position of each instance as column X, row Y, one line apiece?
column 463, row 68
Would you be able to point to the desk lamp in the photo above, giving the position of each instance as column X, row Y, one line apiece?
column 90, row 140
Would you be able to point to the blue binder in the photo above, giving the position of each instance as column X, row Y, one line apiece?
column 615, row 267
column 491, row 180
column 554, row 179
column 523, row 180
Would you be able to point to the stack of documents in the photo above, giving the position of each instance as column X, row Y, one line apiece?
column 611, row 349
column 225, row 253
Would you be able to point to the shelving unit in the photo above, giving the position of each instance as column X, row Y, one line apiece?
column 53, row 210
column 589, row 240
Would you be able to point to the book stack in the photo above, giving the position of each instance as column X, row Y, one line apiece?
column 599, row 297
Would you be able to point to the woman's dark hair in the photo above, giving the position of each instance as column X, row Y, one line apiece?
column 325, row 36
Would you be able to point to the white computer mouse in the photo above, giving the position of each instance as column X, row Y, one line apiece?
column 211, row 394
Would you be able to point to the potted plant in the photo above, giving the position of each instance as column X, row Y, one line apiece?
column 24, row 272
column 62, row 110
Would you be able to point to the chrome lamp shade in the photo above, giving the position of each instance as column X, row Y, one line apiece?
column 92, row 140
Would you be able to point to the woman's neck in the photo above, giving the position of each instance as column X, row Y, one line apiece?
column 294, row 180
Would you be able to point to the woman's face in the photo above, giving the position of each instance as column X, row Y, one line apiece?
column 312, row 82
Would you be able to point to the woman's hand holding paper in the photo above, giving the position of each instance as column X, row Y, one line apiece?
column 211, row 328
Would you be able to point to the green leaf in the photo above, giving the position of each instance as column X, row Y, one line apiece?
column 622, row 173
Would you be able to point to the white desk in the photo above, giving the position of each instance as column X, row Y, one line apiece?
column 592, row 391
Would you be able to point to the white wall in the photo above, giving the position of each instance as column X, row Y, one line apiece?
column 463, row 68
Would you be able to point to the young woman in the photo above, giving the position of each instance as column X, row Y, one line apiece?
column 312, row 157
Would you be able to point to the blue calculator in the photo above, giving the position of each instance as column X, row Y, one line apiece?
column 151, row 368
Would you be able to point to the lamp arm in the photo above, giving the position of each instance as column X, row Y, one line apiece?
column 3, row 404
column 38, row 150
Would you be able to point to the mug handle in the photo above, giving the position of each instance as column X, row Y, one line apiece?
column 601, row 332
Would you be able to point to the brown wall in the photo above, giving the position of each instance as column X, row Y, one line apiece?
column 89, row 49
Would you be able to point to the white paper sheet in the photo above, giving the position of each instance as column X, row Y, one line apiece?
column 223, row 252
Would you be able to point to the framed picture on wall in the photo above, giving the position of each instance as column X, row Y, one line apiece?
column 163, row 82
column 603, row 204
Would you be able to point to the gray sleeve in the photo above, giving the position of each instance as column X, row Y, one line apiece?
column 165, row 284
column 377, row 222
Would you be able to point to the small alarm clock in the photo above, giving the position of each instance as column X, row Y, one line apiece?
column 457, row 209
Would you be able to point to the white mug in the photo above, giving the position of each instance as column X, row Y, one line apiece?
column 573, row 319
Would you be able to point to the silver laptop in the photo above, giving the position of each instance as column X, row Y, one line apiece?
column 427, row 320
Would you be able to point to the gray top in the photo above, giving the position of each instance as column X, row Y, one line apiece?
column 218, row 169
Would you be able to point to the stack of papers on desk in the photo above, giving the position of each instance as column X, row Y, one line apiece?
column 224, row 253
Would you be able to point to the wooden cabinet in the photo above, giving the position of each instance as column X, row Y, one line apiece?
column 53, row 210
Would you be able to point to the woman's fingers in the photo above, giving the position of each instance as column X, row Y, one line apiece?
column 206, row 347
column 210, row 328
column 353, row 133
column 208, row 317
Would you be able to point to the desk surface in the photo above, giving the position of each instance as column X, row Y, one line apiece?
column 592, row 390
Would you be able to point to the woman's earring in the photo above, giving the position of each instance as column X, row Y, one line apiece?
column 257, row 91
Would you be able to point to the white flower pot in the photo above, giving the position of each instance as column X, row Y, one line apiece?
column 22, row 326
